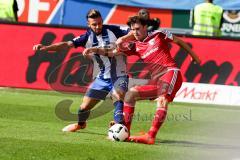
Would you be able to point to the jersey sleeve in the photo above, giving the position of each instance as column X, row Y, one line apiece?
column 166, row 35
column 118, row 30
column 81, row 40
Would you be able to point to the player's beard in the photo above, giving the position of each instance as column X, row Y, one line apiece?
column 98, row 31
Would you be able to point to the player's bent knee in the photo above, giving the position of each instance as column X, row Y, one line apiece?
column 133, row 92
column 117, row 96
column 131, row 95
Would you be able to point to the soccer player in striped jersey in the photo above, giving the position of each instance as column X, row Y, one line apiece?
column 166, row 77
column 112, row 76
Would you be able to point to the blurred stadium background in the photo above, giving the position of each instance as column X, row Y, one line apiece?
column 203, row 122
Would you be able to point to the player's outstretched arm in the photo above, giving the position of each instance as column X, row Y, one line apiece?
column 53, row 47
column 185, row 46
column 120, row 41
column 109, row 52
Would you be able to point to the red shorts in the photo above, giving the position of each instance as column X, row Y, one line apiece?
column 167, row 85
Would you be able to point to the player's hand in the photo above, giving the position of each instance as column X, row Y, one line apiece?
column 125, row 46
column 121, row 45
column 38, row 47
column 119, row 42
column 86, row 52
column 196, row 60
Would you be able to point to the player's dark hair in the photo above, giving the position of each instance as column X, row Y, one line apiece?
column 93, row 13
column 210, row 1
column 136, row 19
column 144, row 13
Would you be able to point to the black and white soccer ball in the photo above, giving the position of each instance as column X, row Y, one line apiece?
column 118, row 132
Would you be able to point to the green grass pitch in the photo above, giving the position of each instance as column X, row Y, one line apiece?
column 30, row 129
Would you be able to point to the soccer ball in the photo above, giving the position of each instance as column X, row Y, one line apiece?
column 118, row 132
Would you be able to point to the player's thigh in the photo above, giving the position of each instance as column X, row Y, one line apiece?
column 117, row 95
column 169, row 84
column 131, row 96
column 99, row 89
column 149, row 91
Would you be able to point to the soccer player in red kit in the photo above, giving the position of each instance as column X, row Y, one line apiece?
column 166, row 77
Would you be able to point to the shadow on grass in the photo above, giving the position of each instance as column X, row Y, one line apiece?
column 196, row 144
column 92, row 133
column 181, row 143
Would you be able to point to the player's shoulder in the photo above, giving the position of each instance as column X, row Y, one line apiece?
column 154, row 33
column 151, row 33
column 166, row 32
column 162, row 33
column 85, row 35
column 82, row 39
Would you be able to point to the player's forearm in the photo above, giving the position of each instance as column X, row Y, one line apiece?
column 187, row 48
column 53, row 47
column 190, row 51
column 128, row 37
column 58, row 46
column 109, row 52
column 192, row 54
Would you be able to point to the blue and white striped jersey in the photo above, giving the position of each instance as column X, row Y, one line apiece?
column 109, row 67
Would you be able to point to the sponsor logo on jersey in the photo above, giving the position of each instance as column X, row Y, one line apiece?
column 149, row 53
column 137, row 49
column 151, row 42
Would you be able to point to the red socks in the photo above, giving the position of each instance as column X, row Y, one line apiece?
column 157, row 122
column 128, row 111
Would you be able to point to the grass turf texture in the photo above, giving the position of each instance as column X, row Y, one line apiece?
column 30, row 129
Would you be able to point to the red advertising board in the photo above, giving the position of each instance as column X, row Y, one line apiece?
column 220, row 61
column 22, row 67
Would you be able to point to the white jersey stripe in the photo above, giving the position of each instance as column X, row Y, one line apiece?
column 103, row 63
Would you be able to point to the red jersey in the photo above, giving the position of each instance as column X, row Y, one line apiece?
column 154, row 51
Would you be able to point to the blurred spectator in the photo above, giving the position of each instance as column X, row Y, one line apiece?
column 153, row 24
column 207, row 18
column 8, row 10
column 231, row 23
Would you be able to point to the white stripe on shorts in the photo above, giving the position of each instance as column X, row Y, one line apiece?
column 173, row 81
